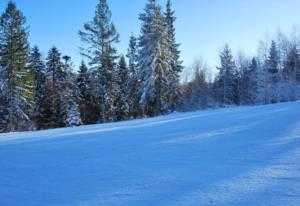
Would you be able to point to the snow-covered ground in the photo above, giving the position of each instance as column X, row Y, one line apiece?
column 239, row 156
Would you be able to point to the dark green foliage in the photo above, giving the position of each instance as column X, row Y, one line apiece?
column 16, row 89
column 100, row 35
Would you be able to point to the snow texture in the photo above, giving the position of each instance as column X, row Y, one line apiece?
column 237, row 156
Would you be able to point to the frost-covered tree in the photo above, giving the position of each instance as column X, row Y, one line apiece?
column 85, row 97
column 132, row 54
column 55, row 76
column 227, row 78
column 273, row 77
column 154, row 62
column 100, row 36
column 4, row 117
column 73, row 116
column 250, row 83
column 121, row 101
column 16, row 80
column 54, row 67
column 242, row 65
column 196, row 92
column 175, row 61
column 37, row 65
column 291, row 75
column 69, row 110
column 133, row 83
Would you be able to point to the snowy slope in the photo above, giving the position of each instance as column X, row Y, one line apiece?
column 241, row 156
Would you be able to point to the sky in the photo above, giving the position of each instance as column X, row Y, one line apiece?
column 203, row 26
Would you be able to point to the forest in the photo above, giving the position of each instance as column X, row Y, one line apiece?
column 38, row 93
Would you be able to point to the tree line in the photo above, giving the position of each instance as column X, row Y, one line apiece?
column 41, row 93
column 38, row 93
column 270, row 77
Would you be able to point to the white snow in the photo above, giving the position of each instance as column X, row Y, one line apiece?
column 247, row 156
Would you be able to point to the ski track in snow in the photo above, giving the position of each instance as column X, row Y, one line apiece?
column 236, row 156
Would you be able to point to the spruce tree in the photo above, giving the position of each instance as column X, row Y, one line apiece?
column 69, row 110
column 54, row 67
column 227, row 78
column 176, row 63
column 16, row 90
column 273, row 76
column 250, row 84
column 132, row 54
column 100, row 35
column 85, row 97
column 133, row 83
column 55, row 76
column 154, row 62
column 37, row 66
column 121, row 101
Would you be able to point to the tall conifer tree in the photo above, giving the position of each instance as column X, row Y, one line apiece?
column 133, row 83
column 273, row 76
column 226, row 79
column 154, row 62
column 17, row 89
column 176, row 63
column 55, row 76
column 37, row 66
column 100, row 36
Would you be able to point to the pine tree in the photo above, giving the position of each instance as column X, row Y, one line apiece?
column 37, row 66
column 154, row 62
column 132, row 54
column 54, row 69
column 16, row 90
column 133, row 83
column 85, row 98
column 250, row 84
column 227, row 78
column 73, row 116
column 55, row 76
column 176, row 63
column 121, row 101
column 69, row 111
column 273, row 77
column 100, row 35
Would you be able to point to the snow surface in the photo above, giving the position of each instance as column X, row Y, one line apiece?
column 238, row 156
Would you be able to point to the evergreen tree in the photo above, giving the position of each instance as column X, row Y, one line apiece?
column 133, row 83
column 291, row 75
column 273, row 77
column 176, row 63
column 55, row 76
column 132, row 54
column 250, row 84
column 154, row 62
column 69, row 111
column 121, row 101
column 85, row 98
column 54, row 67
column 37, row 65
column 100, row 35
column 73, row 116
column 4, row 116
column 16, row 90
column 227, row 78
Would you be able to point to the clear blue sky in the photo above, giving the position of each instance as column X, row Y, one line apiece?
column 203, row 26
